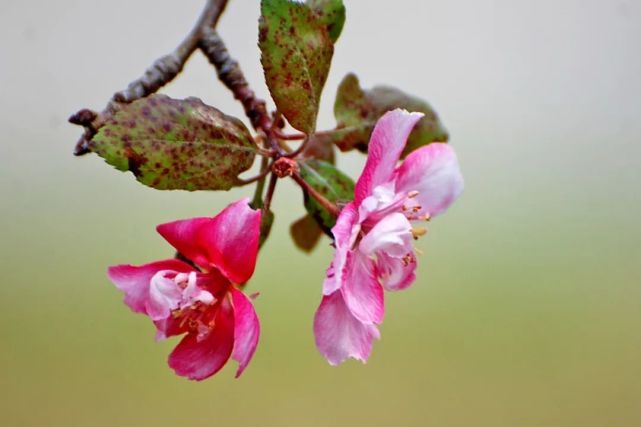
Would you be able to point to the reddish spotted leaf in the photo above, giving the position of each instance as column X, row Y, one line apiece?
column 173, row 144
column 357, row 111
column 296, row 51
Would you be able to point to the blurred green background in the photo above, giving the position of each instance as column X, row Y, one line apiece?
column 527, row 310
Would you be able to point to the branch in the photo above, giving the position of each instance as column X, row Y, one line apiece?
column 231, row 75
column 164, row 69
column 161, row 72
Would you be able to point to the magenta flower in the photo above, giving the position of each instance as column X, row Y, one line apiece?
column 203, row 302
column 373, row 235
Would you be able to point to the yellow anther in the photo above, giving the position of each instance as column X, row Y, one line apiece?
column 418, row 232
column 412, row 194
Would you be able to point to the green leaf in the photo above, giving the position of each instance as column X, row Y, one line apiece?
column 331, row 13
column 296, row 52
column 357, row 111
column 333, row 184
column 305, row 233
column 266, row 222
column 173, row 144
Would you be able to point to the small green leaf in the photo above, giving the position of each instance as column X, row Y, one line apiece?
column 296, row 52
column 357, row 111
column 333, row 184
column 173, row 144
column 331, row 13
column 266, row 222
column 305, row 233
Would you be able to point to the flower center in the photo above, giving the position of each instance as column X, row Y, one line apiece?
column 193, row 306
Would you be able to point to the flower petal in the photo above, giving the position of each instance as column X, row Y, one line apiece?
column 169, row 327
column 434, row 172
column 231, row 240
column 343, row 233
column 182, row 235
column 392, row 235
column 246, row 330
column 338, row 334
column 394, row 273
column 164, row 295
column 362, row 293
column 384, row 150
column 198, row 360
column 135, row 281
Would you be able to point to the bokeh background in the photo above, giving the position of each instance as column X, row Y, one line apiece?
column 527, row 310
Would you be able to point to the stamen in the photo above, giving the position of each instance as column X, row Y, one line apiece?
column 412, row 194
column 407, row 259
column 418, row 232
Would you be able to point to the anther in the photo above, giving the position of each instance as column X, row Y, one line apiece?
column 418, row 232
column 407, row 259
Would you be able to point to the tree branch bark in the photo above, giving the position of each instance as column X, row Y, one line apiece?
column 161, row 72
column 230, row 74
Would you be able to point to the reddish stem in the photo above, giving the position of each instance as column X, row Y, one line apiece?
column 331, row 207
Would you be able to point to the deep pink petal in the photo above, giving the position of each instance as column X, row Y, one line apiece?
column 246, row 330
column 384, row 150
column 362, row 293
column 343, row 232
column 198, row 360
column 396, row 274
column 231, row 239
column 134, row 281
column 182, row 235
column 434, row 172
column 169, row 327
column 338, row 334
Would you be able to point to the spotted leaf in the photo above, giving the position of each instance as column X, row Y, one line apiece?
column 171, row 144
column 331, row 13
column 296, row 51
column 358, row 110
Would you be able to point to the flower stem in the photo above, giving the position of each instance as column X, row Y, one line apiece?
column 329, row 206
column 273, row 179
column 257, row 201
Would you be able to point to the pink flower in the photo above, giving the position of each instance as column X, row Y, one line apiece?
column 203, row 302
column 373, row 235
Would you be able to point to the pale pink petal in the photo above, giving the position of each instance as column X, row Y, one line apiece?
column 134, row 281
column 182, row 235
column 164, row 295
column 246, row 330
column 231, row 239
column 384, row 150
column 392, row 235
column 194, row 293
column 383, row 201
column 434, row 172
column 199, row 359
column 362, row 293
column 396, row 274
column 343, row 232
column 338, row 334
